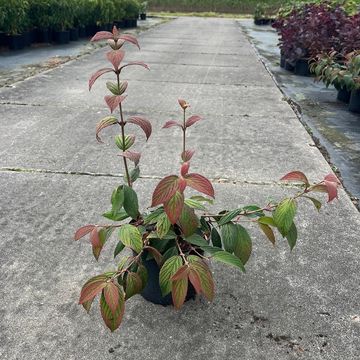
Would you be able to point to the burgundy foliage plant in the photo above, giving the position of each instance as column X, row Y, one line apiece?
column 179, row 232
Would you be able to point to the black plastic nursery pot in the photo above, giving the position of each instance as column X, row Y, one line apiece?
column 61, row 37
column 152, row 291
column 262, row 21
column 74, row 34
column 16, row 42
column 82, row 31
column 142, row 16
column 289, row 66
column 282, row 60
column 130, row 23
column 302, row 68
column 91, row 30
column 354, row 104
column 43, row 35
column 120, row 24
column 3, row 39
column 343, row 95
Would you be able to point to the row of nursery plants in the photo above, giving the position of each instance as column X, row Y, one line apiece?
column 164, row 252
column 25, row 21
column 322, row 39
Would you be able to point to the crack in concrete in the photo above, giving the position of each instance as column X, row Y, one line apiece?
column 146, row 177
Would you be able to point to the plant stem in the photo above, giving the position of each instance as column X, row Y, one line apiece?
column 181, row 252
column 122, row 125
column 184, row 132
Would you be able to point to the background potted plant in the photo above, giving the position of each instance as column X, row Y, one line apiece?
column 40, row 15
column 172, row 244
column 143, row 10
column 131, row 8
column 14, row 22
column 105, row 10
column 62, row 20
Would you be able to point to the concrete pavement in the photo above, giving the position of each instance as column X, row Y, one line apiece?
column 288, row 306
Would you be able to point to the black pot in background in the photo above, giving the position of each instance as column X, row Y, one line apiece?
column 262, row 21
column 120, row 24
column 127, row 23
column 354, row 104
column 91, row 30
column 16, row 42
column 152, row 291
column 74, row 34
column 282, row 60
column 61, row 37
column 3, row 39
column 43, row 35
column 142, row 16
column 82, row 31
column 288, row 66
column 27, row 38
column 343, row 95
column 302, row 68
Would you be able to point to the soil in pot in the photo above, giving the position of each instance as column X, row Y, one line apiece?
column 354, row 104
column 74, row 34
column 302, row 68
column 343, row 95
column 61, row 37
column 16, row 42
column 152, row 291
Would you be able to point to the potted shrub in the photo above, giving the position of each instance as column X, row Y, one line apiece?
column 104, row 10
column 171, row 245
column 143, row 10
column 62, row 20
column 131, row 8
column 260, row 15
column 40, row 14
column 119, row 14
column 3, row 40
column 14, row 21
column 352, row 79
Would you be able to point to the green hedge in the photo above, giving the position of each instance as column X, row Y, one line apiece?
column 17, row 16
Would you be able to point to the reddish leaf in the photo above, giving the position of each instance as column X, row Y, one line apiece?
column 140, row 63
column 179, row 291
column 130, row 39
column 192, row 120
column 181, row 273
column 185, row 168
column 195, row 280
column 204, row 273
column 133, row 284
column 115, row 32
column 155, row 253
column 113, row 101
column 182, row 184
column 96, row 75
column 188, row 221
column 319, row 188
column 87, row 305
column 102, row 124
column 331, row 188
column 143, row 123
column 187, row 155
column 102, row 35
column 268, row 232
column 112, row 319
column 200, row 183
column 171, row 123
column 92, row 287
column 84, row 230
column 165, row 189
column 183, row 103
column 132, row 155
column 111, row 294
column 174, row 206
column 115, row 57
column 296, row 176
column 332, row 178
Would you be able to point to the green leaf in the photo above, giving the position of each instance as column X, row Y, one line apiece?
column 133, row 284
column 292, row 236
column 228, row 259
column 266, row 229
column 167, row 271
column 134, row 174
column 143, row 273
column 205, row 225
column 200, row 198
column 121, row 215
column 195, row 204
column 284, row 215
column 112, row 319
column 117, row 199
column 253, row 208
column 152, row 218
column 316, row 202
column 131, row 237
column 173, row 251
column 229, row 216
column 197, row 240
column 178, row 291
column 267, row 220
column 119, row 248
column 243, row 244
column 215, row 238
column 188, row 221
column 163, row 225
column 131, row 204
column 228, row 235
